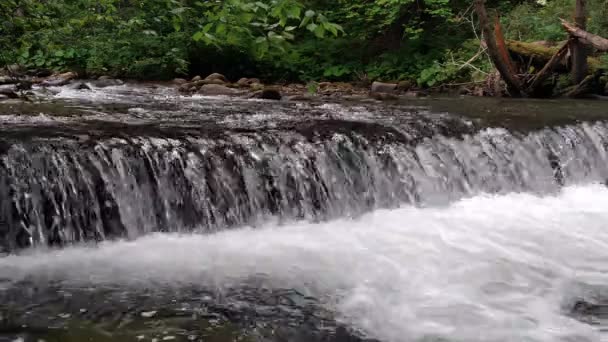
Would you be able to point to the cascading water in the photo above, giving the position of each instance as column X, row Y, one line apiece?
column 319, row 222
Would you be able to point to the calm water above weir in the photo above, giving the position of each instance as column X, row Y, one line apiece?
column 134, row 214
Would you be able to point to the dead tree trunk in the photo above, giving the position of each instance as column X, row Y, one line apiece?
column 513, row 84
column 579, row 50
column 589, row 38
column 545, row 72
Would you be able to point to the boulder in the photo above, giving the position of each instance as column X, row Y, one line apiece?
column 179, row 81
column 386, row 88
column 3, row 97
column 59, row 80
column 216, row 77
column 213, row 81
column 104, row 77
column 184, row 88
column 217, row 89
column 196, row 78
column 43, row 73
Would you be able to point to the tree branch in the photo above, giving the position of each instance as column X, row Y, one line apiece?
column 586, row 37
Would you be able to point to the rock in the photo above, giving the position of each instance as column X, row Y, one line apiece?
column 271, row 93
column 24, row 85
column 213, row 81
column 8, row 80
column 217, row 89
column 78, row 86
column 196, row 78
column 3, row 97
column 184, row 88
column 43, row 73
column 9, row 90
column 104, row 77
column 179, row 81
column 216, row 76
column 386, row 88
column 404, row 85
column 59, row 80
column 247, row 82
column 384, row 96
column 14, row 69
column 606, row 89
column 107, row 82
column 256, row 86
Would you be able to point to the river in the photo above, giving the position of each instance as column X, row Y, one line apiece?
column 131, row 213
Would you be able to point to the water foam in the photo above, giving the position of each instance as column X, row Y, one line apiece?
column 487, row 268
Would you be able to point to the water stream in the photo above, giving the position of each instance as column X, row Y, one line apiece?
column 131, row 213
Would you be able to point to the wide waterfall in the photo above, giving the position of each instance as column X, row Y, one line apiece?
column 300, row 221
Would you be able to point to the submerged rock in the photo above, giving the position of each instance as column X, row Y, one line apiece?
column 78, row 86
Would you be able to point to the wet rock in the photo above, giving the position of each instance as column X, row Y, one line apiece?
column 386, row 88
column 107, row 82
column 301, row 97
column 196, row 78
column 43, row 73
column 216, row 77
column 213, row 81
column 384, row 96
column 104, row 77
column 59, row 80
column 9, row 90
column 78, row 86
column 256, row 86
column 247, row 82
column 8, row 80
column 271, row 93
column 179, row 81
column 2, row 98
column 186, row 87
column 217, row 89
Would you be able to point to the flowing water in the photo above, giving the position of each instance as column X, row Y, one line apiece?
column 131, row 213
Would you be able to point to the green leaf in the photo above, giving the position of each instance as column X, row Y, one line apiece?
column 198, row 36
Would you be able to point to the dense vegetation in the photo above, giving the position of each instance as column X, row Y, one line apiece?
column 429, row 42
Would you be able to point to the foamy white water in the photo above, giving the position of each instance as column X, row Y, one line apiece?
column 488, row 268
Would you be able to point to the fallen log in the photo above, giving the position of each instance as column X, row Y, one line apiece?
column 547, row 70
column 596, row 41
column 543, row 54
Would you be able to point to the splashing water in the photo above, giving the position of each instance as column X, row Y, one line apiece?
column 487, row 268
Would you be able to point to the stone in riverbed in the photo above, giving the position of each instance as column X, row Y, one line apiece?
column 9, row 90
column 107, row 82
column 179, row 81
column 217, row 89
column 386, row 88
column 271, row 93
column 196, row 78
column 247, row 82
column 216, row 77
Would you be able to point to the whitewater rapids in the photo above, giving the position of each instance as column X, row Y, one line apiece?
column 487, row 268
